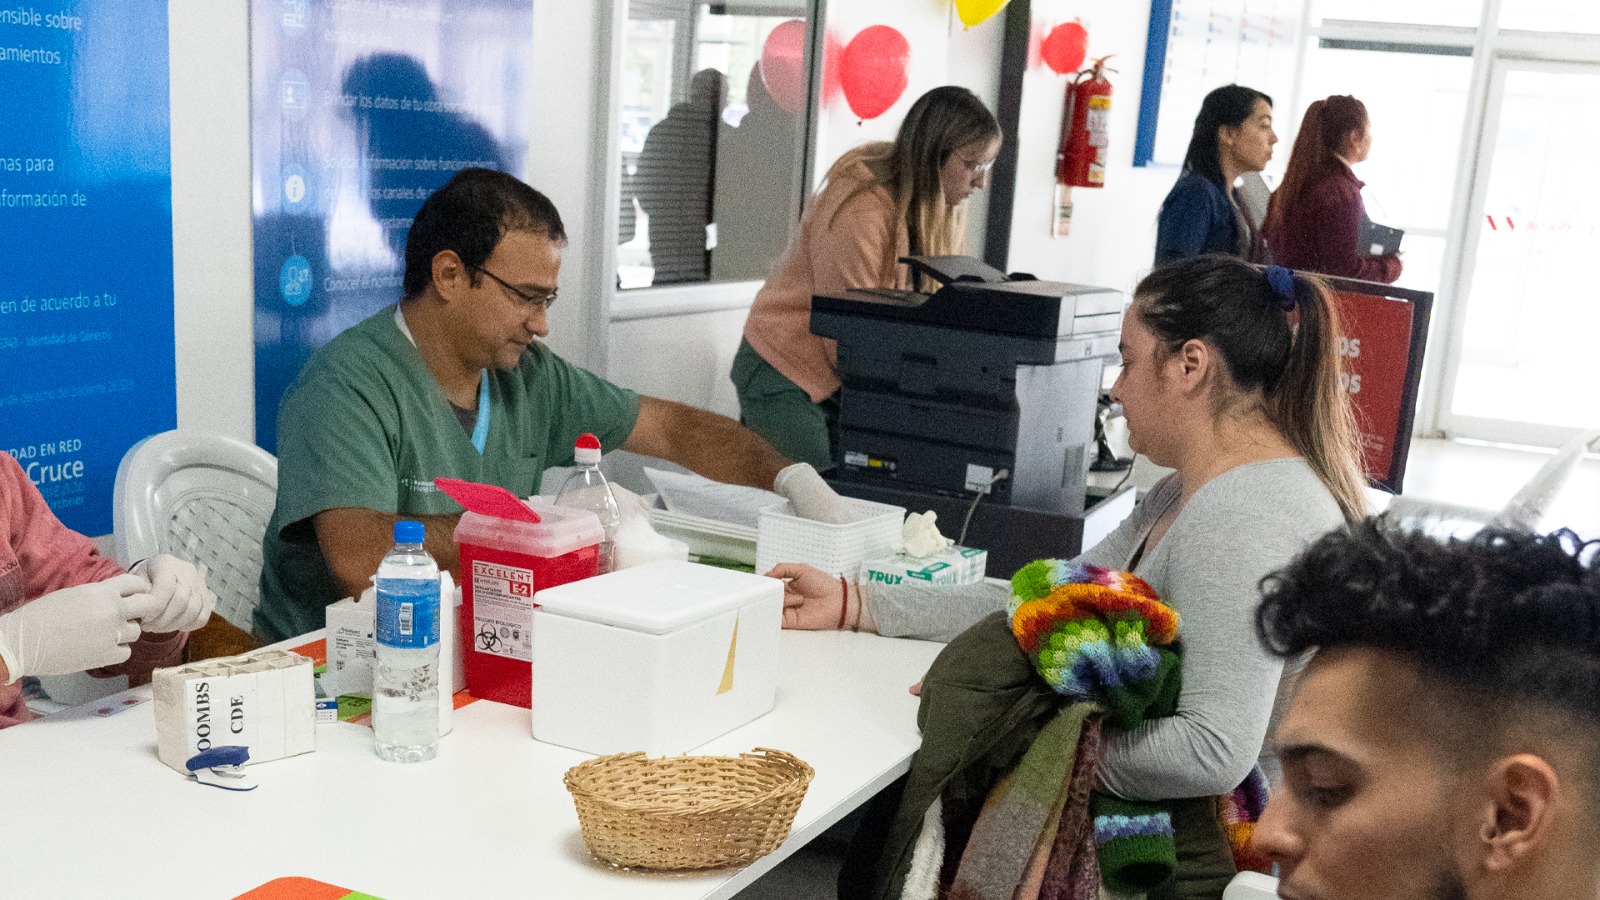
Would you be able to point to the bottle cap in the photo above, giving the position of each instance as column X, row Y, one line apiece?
column 407, row 531
column 587, row 449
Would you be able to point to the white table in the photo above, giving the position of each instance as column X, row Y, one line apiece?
column 92, row 813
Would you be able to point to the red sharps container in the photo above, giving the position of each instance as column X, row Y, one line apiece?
column 504, row 565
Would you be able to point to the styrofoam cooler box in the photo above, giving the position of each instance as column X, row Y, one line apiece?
column 661, row 657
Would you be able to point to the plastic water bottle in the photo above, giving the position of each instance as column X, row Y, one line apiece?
column 405, row 688
column 586, row 488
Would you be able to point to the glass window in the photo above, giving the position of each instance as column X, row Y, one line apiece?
column 1414, row 12
column 1572, row 16
column 1528, row 348
column 712, row 145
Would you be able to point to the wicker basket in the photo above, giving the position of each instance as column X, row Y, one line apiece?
column 687, row 812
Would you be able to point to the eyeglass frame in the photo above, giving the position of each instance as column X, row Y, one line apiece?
column 978, row 168
column 545, row 302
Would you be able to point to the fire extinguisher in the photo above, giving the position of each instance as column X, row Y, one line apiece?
column 1085, row 128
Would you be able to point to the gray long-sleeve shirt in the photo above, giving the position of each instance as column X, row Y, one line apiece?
column 1237, row 528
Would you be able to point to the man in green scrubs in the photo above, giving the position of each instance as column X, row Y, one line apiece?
column 453, row 382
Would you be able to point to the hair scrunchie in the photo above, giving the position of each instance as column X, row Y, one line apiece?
column 1281, row 280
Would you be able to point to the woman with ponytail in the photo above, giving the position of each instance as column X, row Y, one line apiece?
column 880, row 201
column 1315, row 217
column 1230, row 376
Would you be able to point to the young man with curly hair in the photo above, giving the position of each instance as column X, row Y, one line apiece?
column 1445, row 740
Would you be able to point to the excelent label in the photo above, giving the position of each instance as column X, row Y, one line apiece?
column 502, row 610
column 408, row 613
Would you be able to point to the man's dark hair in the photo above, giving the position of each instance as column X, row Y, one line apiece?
column 1509, row 621
column 469, row 215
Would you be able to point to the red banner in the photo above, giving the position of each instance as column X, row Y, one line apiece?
column 1376, row 349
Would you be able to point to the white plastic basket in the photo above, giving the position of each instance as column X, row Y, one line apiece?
column 835, row 549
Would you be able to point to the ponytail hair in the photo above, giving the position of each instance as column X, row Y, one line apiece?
column 1324, row 137
column 1277, row 333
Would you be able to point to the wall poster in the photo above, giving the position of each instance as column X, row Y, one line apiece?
column 1196, row 46
column 86, row 339
column 360, row 109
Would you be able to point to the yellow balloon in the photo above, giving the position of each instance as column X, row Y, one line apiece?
column 973, row 12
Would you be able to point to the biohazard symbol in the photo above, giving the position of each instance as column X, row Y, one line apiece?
column 487, row 639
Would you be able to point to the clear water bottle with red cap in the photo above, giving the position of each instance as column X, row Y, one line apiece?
column 586, row 488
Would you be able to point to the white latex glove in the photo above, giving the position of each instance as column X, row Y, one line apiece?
column 73, row 629
column 812, row 497
column 180, row 600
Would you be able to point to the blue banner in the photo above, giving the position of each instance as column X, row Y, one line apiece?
column 361, row 108
column 86, row 335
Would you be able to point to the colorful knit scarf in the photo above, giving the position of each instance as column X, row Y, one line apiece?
column 1103, row 637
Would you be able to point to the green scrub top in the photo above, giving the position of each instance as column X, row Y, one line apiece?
column 366, row 425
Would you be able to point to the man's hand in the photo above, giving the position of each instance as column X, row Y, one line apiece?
column 180, row 600
column 811, row 597
column 75, row 628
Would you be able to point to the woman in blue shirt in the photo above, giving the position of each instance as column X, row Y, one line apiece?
column 1232, row 135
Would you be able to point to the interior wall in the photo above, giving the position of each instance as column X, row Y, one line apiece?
column 1112, row 240
column 209, row 44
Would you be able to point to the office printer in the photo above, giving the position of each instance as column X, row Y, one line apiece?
column 987, row 384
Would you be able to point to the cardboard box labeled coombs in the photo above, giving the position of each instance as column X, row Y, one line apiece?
column 661, row 658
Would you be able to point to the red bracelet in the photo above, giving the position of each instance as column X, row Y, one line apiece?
column 844, row 601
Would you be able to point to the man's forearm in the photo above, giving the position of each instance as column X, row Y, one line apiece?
column 712, row 445
column 355, row 540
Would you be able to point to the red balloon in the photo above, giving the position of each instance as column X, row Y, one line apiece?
column 783, row 65
column 1065, row 47
column 874, row 70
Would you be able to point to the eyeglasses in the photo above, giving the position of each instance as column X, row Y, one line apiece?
column 978, row 168
column 542, row 299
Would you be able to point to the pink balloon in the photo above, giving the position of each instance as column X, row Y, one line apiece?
column 1065, row 47
column 874, row 70
column 783, row 65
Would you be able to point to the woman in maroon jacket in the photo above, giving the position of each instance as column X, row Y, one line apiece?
column 1315, row 216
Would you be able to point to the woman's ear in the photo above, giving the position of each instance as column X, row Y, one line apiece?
column 1192, row 364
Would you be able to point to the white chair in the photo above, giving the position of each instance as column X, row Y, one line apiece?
column 1251, row 886
column 1524, row 510
column 203, row 497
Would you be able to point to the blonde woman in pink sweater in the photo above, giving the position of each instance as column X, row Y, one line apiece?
column 880, row 201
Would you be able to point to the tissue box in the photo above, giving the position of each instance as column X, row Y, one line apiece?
column 261, row 700
column 661, row 658
column 352, row 650
column 957, row 565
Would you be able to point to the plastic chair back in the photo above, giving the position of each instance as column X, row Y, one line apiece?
column 1524, row 510
column 202, row 497
column 1528, row 506
column 1251, row 886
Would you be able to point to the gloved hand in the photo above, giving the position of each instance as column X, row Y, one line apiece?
column 73, row 629
column 812, row 497
column 180, row 600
